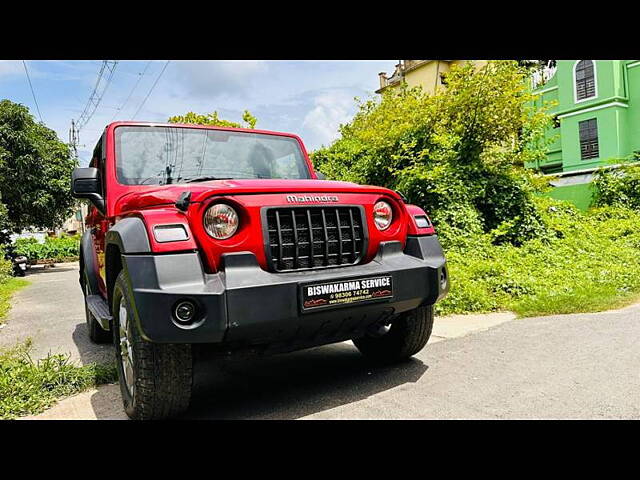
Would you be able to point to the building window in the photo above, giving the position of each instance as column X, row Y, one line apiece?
column 585, row 80
column 588, row 139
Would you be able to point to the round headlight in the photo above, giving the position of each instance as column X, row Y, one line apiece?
column 220, row 221
column 382, row 215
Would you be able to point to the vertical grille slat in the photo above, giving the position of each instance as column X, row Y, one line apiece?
column 339, row 236
column 326, row 238
column 295, row 239
column 353, row 237
column 280, row 242
column 311, row 255
column 304, row 238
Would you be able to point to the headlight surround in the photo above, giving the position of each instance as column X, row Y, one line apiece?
column 220, row 221
column 382, row 215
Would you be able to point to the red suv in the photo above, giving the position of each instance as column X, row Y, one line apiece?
column 226, row 240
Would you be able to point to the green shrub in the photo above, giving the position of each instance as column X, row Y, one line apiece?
column 54, row 248
column 588, row 262
column 6, row 267
column 620, row 186
column 29, row 387
column 458, row 154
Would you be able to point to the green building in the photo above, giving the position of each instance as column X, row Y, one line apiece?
column 596, row 119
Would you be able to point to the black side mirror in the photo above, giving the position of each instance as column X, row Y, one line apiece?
column 321, row 176
column 85, row 183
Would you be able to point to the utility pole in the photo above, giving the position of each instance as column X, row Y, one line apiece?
column 74, row 138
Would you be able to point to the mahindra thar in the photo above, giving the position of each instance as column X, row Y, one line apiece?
column 227, row 240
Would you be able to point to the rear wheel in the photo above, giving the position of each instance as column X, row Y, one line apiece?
column 406, row 336
column 97, row 334
column 155, row 378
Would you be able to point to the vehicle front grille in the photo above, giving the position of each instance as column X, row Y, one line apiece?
column 314, row 237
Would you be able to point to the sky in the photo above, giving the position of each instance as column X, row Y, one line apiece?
column 308, row 98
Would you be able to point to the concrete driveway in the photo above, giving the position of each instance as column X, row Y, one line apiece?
column 565, row 366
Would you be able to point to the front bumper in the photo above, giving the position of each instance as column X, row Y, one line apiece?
column 244, row 305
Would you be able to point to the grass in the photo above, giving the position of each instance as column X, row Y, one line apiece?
column 28, row 387
column 594, row 299
column 591, row 262
column 7, row 289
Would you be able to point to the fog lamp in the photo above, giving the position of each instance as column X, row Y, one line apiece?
column 443, row 278
column 184, row 312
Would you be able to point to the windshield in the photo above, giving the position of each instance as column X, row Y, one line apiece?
column 164, row 155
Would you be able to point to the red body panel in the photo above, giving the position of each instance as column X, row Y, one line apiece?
column 155, row 205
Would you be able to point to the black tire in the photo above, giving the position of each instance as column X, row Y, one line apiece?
column 408, row 334
column 162, row 373
column 97, row 334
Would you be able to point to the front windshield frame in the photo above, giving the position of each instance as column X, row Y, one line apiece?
column 301, row 160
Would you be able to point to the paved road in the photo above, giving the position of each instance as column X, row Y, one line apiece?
column 566, row 366
column 51, row 312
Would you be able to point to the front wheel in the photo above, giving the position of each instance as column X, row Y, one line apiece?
column 406, row 336
column 155, row 378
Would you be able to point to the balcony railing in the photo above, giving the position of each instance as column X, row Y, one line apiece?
column 401, row 69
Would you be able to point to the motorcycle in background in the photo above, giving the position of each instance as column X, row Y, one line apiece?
column 20, row 262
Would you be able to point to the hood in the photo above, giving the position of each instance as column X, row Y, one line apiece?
column 149, row 196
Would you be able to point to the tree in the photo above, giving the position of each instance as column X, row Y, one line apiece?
column 214, row 119
column 458, row 153
column 35, row 172
column 537, row 64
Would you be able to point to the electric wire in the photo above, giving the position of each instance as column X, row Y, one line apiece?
column 150, row 90
column 131, row 92
column 96, row 95
column 32, row 92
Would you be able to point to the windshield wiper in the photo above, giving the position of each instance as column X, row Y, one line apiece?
column 204, row 179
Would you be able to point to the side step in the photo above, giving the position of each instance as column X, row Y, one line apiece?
column 100, row 310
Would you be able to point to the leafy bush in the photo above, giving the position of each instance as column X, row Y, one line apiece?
column 620, row 186
column 6, row 267
column 588, row 262
column 29, row 387
column 458, row 154
column 54, row 248
column 213, row 119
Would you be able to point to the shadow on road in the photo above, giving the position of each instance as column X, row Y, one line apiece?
column 58, row 268
column 91, row 352
column 292, row 385
column 286, row 386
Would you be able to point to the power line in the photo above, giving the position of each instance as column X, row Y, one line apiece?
column 131, row 92
column 98, row 92
column 32, row 92
column 92, row 104
column 151, row 90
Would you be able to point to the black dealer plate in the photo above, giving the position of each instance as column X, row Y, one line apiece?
column 346, row 292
